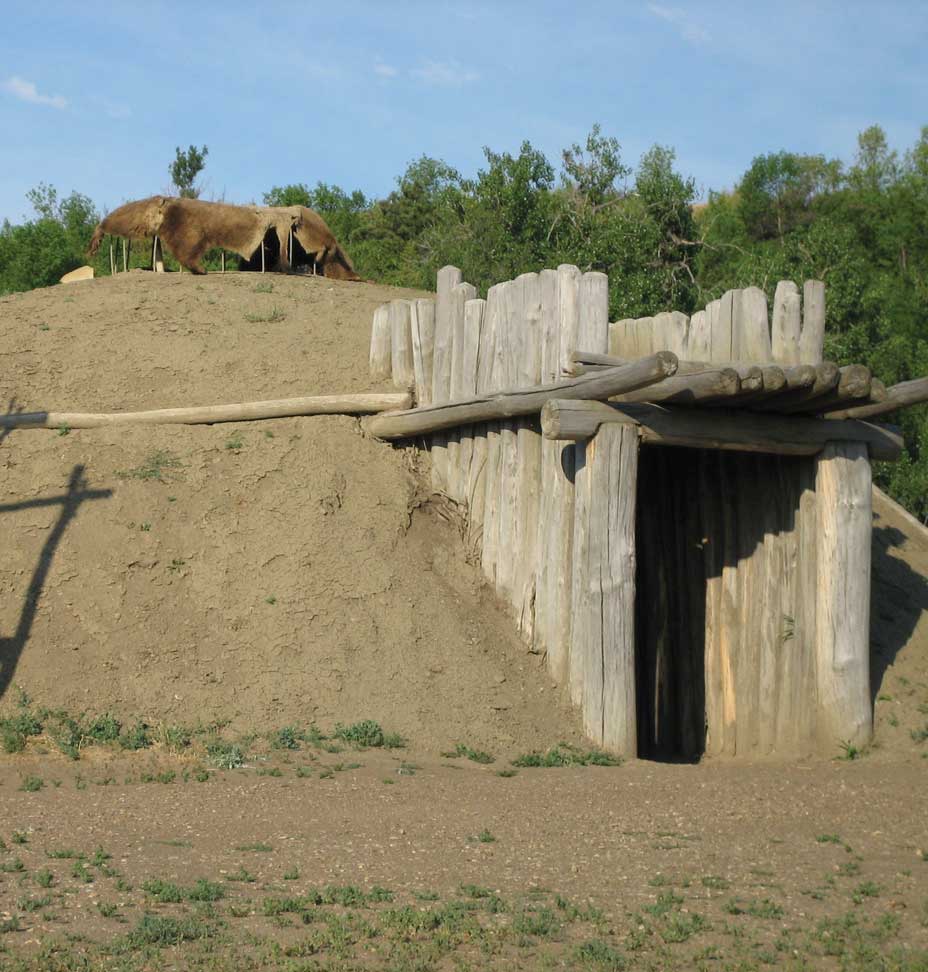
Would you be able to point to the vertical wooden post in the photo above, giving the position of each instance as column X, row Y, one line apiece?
column 448, row 277
column 786, row 329
column 603, row 634
column 460, row 294
column 401, row 363
column 699, row 342
column 125, row 261
column 842, row 613
column 721, row 326
column 112, row 262
column 381, row 357
column 157, row 255
column 222, row 258
column 488, row 379
column 528, row 458
column 423, row 344
column 509, row 344
column 751, row 332
column 812, row 340
column 473, row 438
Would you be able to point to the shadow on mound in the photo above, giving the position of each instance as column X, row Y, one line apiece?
column 898, row 596
column 11, row 648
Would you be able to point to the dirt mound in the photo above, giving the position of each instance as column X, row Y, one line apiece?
column 285, row 571
column 264, row 573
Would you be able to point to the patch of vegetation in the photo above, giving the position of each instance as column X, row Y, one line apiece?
column 274, row 316
column 474, row 755
column 162, row 931
column 368, row 734
column 154, row 467
column 565, row 755
column 225, row 755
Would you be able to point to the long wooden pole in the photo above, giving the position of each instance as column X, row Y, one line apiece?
column 897, row 396
column 208, row 414
column 523, row 401
column 717, row 429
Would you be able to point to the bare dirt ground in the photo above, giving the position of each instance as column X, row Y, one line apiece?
column 239, row 583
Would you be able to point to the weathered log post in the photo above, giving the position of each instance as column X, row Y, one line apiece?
column 489, row 380
column 460, row 294
column 593, row 330
column 381, row 358
column 401, row 360
column 602, row 650
column 844, row 491
column 423, row 345
column 448, row 277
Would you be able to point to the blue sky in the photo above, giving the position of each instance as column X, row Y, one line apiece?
column 95, row 97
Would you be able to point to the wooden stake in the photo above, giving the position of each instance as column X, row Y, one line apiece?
column 112, row 262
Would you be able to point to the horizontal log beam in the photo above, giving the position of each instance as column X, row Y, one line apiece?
column 827, row 375
column 854, row 383
column 774, row 375
column 715, row 384
column 717, row 429
column 906, row 393
column 210, row 414
column 523, row 401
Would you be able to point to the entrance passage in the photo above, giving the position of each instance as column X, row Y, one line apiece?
column 725, row 608
column 670, row 605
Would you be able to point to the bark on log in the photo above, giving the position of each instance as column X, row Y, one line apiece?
column 526, row 401
column 717, row 429
column 211, row 414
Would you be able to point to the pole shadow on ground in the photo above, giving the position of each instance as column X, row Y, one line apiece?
column 11, row 648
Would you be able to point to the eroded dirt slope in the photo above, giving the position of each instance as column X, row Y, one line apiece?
column 265, row 573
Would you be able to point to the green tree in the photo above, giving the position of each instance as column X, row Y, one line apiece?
column 185, row 168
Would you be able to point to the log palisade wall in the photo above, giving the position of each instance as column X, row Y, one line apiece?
column 691, row 601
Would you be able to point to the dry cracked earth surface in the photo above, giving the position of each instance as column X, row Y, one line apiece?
column 258, row 711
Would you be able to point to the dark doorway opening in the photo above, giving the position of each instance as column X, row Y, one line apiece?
column 670, row 606
column 271, row 247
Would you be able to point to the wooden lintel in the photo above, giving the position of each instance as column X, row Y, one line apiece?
column 718, row 429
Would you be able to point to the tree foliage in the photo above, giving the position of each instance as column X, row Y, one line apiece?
column 861, row 227
column 185, row 168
